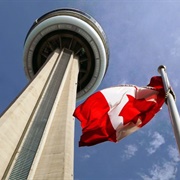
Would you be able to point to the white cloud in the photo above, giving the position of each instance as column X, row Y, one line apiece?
column 175, row 82
column 86, row 156
column 165, row 172
column 130, row 151
column 175, row 47
column 157, row 141
column 175, row 51
column 173, row 153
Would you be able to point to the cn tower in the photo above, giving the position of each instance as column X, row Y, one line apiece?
column 65, row 59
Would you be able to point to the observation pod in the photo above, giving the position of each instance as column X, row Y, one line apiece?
column 73, row 30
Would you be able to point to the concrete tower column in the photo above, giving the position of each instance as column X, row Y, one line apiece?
column 65, row 59
column 57, row 144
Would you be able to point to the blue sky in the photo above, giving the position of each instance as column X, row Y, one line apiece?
column 142, row 34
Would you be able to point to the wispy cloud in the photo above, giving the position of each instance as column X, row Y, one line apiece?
column 175, row 50
column 88, row 154
column 85, row 156
column 130, row 151
column 157, row 141
column 173, row 153
column 175, row 82
column 165, row 171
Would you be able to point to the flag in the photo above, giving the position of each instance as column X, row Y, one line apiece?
column 113, row 113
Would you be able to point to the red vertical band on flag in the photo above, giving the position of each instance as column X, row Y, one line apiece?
column 95, row 123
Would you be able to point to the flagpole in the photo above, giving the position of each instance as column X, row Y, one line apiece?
column 170, row 100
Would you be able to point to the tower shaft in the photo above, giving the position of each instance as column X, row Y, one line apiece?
column 40, row 126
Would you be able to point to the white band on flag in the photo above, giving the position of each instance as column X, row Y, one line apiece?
column 117, row 98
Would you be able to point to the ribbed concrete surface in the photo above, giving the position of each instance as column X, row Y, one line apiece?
column 54, row 157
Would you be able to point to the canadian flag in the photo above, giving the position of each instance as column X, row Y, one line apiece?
column 113, row 113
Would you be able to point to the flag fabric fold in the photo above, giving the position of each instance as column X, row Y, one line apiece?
column 113, row 113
